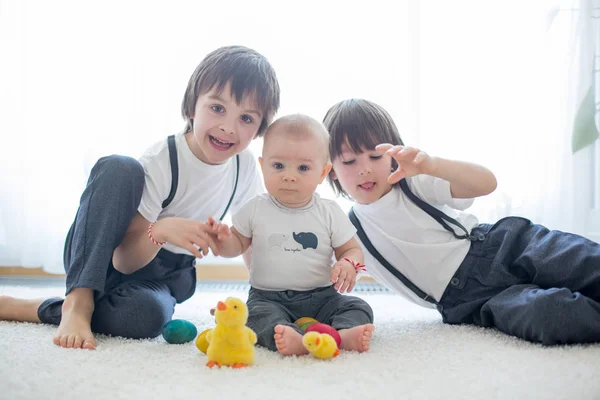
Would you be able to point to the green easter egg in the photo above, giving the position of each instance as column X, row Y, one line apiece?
column 179, row 331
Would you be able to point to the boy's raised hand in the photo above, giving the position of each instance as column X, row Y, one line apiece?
column 411, row 161
column 343, row 276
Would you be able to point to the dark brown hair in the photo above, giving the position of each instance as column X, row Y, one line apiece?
column 361, row 125
column 248, row 72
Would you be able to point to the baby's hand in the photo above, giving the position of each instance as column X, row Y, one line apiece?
column 343, row 276
column 411, row 161
column 218, row 229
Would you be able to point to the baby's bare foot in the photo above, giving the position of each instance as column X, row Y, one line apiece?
column 288, row 341
column 357, row 338
column 23, row 310
column 75, row 330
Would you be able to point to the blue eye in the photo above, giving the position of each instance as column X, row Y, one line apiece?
column 218, row 108
column 303, row 168
column 278, row 165
column 247, row 119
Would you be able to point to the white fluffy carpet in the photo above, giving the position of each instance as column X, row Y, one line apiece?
column 413, row 356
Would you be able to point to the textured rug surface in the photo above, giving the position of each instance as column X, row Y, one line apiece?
column 413, row 356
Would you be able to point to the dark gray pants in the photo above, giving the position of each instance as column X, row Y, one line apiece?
column 530, row 282
column 133, row 306
column 269, row 308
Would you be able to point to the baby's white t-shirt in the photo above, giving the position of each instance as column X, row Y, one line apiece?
column 292, row 248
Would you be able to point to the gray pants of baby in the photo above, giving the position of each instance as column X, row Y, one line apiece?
column 269, row 308
column 133, row 306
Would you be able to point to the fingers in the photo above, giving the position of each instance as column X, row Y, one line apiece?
column 340, row 282
column 223, row 232
column 352, row 284
column 348, row 283
column 383, row 147
column 191, row 247
column 335, row 273
column 396, row 176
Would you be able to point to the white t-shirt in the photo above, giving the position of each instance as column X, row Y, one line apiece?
column 292, row 248
column 412, row 241
column 203, row 190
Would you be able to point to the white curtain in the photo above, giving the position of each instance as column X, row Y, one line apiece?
column 478, row 80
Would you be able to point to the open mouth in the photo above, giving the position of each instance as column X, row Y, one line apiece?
column 220, row 144
column 367, row 186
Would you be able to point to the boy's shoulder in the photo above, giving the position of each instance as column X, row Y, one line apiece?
column 155, row 149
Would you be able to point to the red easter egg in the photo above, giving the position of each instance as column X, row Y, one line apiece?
column 324, row 328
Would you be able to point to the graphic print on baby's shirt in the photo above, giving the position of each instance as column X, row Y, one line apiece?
column 297, row 241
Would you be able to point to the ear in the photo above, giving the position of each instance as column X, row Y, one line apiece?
column 260, row 161
column 325, row 171
column 333, row 175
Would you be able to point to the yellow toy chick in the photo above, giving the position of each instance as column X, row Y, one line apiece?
column 231, row 342
column 320, row 345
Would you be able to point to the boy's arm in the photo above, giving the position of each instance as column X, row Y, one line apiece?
column 136, row 249
column 467, row 180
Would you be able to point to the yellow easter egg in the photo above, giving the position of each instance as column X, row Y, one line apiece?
column 201, row 342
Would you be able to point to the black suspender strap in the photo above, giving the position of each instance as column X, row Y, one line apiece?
column 174, row 170
column 175, row 175
column 367, row 243
column 237, row 175
column 436, row 214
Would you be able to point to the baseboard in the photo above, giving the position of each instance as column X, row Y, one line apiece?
column 218, row 272
column 213, row 272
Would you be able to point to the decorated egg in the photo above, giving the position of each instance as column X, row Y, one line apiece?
column 179, row 331
column 201, row 342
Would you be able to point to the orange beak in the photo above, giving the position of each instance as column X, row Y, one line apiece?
column 221, row 306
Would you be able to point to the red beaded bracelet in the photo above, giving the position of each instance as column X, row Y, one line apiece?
column 357, row 266
column 152, row 238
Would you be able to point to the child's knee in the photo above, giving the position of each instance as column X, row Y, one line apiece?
column 117, row 168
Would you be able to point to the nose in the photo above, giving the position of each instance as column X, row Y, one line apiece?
column 227, row 127
column 365, row 171
column 289, row 178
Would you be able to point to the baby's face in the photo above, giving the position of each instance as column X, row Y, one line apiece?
column 293, row 166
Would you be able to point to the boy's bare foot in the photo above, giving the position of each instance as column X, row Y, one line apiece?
column 357, row 338
column 288, row 341
column 75, row 330
column 22, row 310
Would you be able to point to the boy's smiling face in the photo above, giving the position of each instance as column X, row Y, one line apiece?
column 363, row 175
column 222, row 128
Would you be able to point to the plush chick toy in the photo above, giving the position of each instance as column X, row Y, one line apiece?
column 230, row 342
column 320, row 345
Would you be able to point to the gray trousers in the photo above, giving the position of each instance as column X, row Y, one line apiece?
column 530, row 282
column 269, row 308
column 132, row 306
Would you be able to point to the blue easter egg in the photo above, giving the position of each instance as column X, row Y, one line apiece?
column 179, row 331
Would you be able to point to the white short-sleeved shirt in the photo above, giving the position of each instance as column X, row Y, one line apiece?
column 412, row 241
column 203, row 190
column 292, row 248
